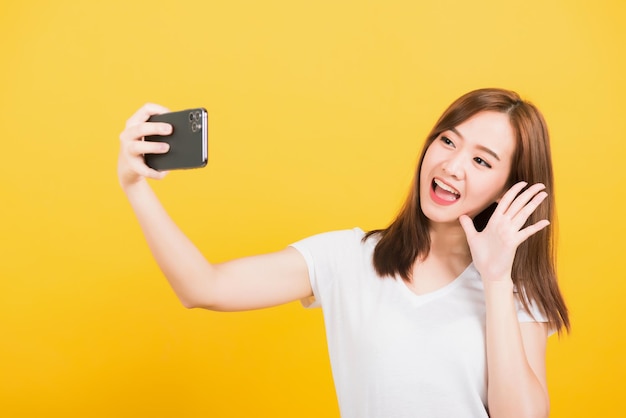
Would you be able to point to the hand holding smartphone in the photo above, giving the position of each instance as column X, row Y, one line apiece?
column 188, row 141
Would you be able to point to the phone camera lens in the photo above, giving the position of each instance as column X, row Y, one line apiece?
column 195, row 127
column 191, row 117
column 196, row 115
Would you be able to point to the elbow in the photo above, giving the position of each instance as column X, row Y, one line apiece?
column 202, row 295
column 534, row 414
column 189, row 304
column 203, row 292
column 193, row 300
column 537, row 413
column 194, row 303
column 528, row 411
column 544, row 412
column 540, row 409
column 520, row 408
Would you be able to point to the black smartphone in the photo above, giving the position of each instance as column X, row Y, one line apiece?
column 188, row 140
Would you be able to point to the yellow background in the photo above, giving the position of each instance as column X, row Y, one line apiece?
column 317, row 112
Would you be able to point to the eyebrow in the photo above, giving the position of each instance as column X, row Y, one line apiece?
column 480, row 147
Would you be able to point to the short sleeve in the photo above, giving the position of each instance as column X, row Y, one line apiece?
column 535, row 314
column 303, row 247
column 326, row 255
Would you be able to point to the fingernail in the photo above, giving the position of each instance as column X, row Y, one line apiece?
column 166, row 129
column 165, row 146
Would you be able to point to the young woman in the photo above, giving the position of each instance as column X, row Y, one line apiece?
column 446, row 312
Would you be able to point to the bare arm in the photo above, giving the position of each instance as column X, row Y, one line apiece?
column 515, row 352
column 247, row 283
column 515, row 358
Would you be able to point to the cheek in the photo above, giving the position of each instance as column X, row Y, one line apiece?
column 426, row 163
column 497, row 190
column 429, row 160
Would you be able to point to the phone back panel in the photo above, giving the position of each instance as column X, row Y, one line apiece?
column 188, row 141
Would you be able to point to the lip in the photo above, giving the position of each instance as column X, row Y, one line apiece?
column 438, row 200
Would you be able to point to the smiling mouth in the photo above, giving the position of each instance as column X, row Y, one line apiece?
column 444, row 192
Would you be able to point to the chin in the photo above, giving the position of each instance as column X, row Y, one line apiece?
column 447, row 222
column 440, row 216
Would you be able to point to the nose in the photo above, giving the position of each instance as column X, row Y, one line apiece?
column 454, row 167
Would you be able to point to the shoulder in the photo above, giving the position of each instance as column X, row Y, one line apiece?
column 336, row 253
column 332, row 255
column 345, row 239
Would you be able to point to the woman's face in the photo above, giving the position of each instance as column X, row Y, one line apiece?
column 465, row 169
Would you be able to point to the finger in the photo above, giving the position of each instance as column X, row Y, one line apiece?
column 508, row 197
column 468, row 226
column 522, row 216
column 136, row 132
column 531, row 230
column 144, row 113
column 156, row 175
column 522, row 200
column 147, row 147
column 143, row 170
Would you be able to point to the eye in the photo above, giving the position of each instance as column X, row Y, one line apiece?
column 482, row 162
column 447, row 141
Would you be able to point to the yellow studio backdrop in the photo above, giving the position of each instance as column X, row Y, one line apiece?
column 316, row 111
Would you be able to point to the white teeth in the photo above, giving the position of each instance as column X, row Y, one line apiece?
column 446, row 187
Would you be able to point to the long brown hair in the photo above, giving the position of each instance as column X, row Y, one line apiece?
column 407, row 239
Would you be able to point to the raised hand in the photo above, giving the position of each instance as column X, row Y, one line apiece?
column 493, row 249
column 131, row 167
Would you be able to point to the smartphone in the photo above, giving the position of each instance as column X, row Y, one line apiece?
column 188, row 140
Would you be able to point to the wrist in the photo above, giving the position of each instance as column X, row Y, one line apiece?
column 130, row 187
column 496, row 275
column 503, row 285
column 499, row 296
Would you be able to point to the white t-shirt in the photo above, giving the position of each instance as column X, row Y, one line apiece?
column 394, row 353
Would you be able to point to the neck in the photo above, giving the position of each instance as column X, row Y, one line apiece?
column 448, row 240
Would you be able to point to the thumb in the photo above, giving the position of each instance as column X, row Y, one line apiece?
column 468, row 226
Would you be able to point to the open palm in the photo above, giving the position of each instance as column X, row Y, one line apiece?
column 493, row 249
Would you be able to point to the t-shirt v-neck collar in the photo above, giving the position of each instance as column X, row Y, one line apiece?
column 417, row 299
